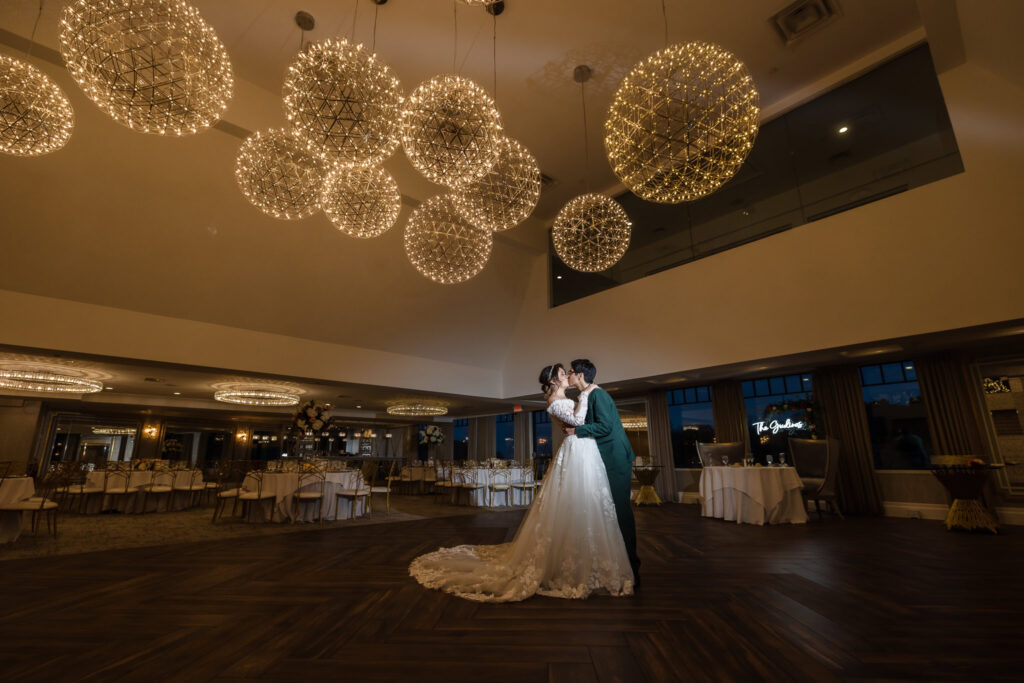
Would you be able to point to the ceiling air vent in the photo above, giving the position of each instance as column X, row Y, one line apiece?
column 153, row 379
column 804, row 17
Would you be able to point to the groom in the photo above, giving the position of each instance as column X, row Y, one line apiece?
column 604, row 426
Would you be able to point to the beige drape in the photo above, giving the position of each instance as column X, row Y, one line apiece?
column 953, row 397
column 522, row 439
column 659, row 440
column 837, row 391
column 730, row 413
column 482, row 438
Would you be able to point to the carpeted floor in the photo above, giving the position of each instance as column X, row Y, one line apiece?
column 90, row 533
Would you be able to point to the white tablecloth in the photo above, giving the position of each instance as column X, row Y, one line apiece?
column 753, row 495
column 486, row 475
column 284, row 485
column 132, row 502
column 13, row 489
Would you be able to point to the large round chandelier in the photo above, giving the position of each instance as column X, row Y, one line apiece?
column 35, row 115
column 343, row 99
column 280, row 174
column 591, row 233
column 114, row 431
column 155, row 66
column 45, row 381
column 442, row 246
column 451, row 130
column 506, row 195
column 417, row 409
column 682, row 123
column 361, row 202
column 256, row 397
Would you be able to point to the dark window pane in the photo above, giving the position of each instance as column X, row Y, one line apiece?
column 793, row 383
column 805, row 379
column 748, row 389
column 778, row 385
column 703, row 394
column 871, row 374
column 892, row 372
column 762, row 388
column 908, row 371
column 690, row 396
column 898, row 423
column 690, row 423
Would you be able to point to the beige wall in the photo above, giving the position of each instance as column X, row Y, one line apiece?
column 19, row 419
column 941, row 256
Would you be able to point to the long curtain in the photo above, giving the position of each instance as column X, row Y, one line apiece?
column 659, row 440
column 730, row 413
column 955, row 404
column 522, row 440
column 482, row 438
column 837, row 390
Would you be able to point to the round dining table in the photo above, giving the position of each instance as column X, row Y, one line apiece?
column 284, row 485
column 753, row 495
column 133, row 501
column 13, row 489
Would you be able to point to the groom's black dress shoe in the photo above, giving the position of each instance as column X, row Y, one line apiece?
column 636, row 581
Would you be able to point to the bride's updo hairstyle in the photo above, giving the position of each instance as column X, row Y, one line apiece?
column 548, row 376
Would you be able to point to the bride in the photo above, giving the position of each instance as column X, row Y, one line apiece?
column 568, row 545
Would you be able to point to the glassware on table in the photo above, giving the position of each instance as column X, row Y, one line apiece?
column 725, row 459
column 782, row 459
column 768, row 460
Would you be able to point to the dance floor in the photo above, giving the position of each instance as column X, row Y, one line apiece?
column 864, row 599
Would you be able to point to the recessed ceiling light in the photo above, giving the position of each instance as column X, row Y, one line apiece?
column 109, row 388
column 359, row 407
column 558, row 277
column 177, row 393
column 843, row 129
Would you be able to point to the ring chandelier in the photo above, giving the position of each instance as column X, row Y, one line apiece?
column 50, row 382
column 256, row 397
column 114, row 431
column 417, row 409
column 634, row 423
column 35, row 115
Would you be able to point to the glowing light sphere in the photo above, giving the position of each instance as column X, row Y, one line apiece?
column 361, row 202
column 591, row 233
column 280, row 174
column 442, row 246
column 155, row 66
column 451, row 130
column 682, row 123
column 344, row 99
column 35, row 115
column 506, row 195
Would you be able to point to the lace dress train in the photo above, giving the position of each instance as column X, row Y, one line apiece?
column 568, row 545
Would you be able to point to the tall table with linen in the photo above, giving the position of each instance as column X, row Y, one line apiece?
column 753, row 495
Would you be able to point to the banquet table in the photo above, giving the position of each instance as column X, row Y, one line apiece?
column 11, row 490
column 132, row 502
column 753, row 495
column 486, row 476
column 284, row 485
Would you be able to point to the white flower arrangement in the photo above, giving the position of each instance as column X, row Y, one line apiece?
column 431, row 435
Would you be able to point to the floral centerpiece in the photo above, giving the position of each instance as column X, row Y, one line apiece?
column 172, row 449
column 312, row 416
column 431, row 435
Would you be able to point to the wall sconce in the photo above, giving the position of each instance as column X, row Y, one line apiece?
column 387, row 435
column 242, row 436
column 150, row 431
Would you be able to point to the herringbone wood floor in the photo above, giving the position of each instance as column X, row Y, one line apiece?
column 864, row 599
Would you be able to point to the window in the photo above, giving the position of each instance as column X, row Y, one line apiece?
column 460, row 438
column 503, row 436
column 690, row 415
column 422, row 449
column 779, row 408
column 541, row 433
column 897, row 418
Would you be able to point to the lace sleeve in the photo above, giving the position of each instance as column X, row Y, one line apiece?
column 563, row 410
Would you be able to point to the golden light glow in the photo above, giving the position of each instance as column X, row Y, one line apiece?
column 442, row 246
column 451, row 130
column 591, row 233
column 113, row 431
column 35, row 115
column 155, row 66
column 150, row 431
column 634, row 423
column 506, row 195
column 256, row 397
column 361, row 202
column 682, row 123
column 345, row 101
column 49, row 382
column 417, row 409
column 280, row 174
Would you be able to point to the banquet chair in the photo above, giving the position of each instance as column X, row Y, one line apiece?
column 501, row 482
column 817, row 463
column 402, row 480
column 117, row 483
column 386, row 490
column 247, row 496
column 528, row 485
column 316, row 479
column 466, row 481
column 711, row 453
column 42, row 503
column 76, row 485
column 161, row 483
column 429, row 477
column 360, row 491
column 443, row 486
column 229, row 475
column 191, row 485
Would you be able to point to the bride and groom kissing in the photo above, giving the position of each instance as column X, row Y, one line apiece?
column 578, row 536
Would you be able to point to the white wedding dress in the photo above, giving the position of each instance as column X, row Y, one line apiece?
column 568, row 545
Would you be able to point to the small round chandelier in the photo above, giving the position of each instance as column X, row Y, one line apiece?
column 280, row 174
column 506, row 195
column 417, row 409
column 442, row 246
column 256, row 397
column 591, row 233
column 35, row 115
column 114, row 431
column 343, row 99
column 49, row 382
column 634, row 423
column 682, row 123
column 361, row 202
column 155, row 66
column 451, row 130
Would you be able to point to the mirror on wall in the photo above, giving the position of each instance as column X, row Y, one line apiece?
column 91, row 439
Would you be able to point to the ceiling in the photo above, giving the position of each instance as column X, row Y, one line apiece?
column 150, row 224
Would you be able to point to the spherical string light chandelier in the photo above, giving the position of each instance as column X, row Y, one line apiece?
column 35, row 115
column 342, row 98
column 506, row 195
column 155, row 66
column 682, row 123
column 48, row 382
column 416, row 409
column 451, row 131
column 442, row 246
column 256, row 396
column 280, row 174
column 592, row 231
column 361, row 202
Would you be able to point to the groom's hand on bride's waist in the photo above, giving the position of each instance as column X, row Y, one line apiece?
column 569, row 431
